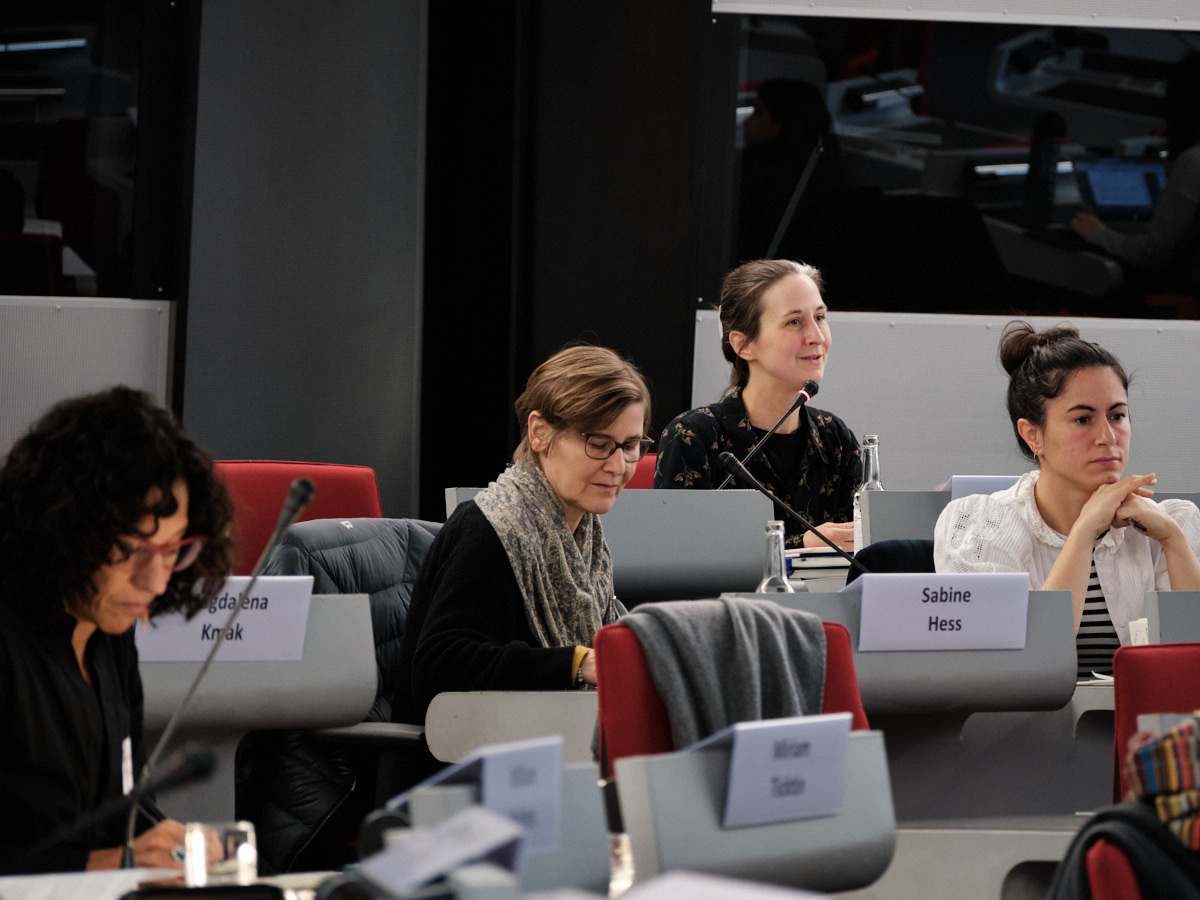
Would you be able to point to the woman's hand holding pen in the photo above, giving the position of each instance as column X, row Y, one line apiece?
column 1148, row 518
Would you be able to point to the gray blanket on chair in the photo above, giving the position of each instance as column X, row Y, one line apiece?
column 717, row 662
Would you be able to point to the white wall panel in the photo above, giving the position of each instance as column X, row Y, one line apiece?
column 1171, row 14
column 932, row 388
column 52, row 348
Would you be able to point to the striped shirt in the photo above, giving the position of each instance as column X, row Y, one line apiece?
column 1096, row 641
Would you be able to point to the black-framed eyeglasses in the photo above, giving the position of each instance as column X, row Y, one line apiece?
column 601, row 446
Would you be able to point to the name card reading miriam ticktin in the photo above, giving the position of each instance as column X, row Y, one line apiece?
column 415, row 858
column 519, row 779
column 926, row 611
column 781, row 770
column 270, row 627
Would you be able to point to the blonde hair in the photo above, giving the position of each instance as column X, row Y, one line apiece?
column 741, row 304
column 579, row 388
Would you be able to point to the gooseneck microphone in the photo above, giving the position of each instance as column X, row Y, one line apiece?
column 299, row 495
column 806, row 393
column 730, row 463
column 183, row 767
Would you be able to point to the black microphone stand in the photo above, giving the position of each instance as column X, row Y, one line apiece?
column 731, row 464
column 805, row 394
column 299, row 495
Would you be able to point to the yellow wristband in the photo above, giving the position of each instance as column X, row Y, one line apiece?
column 580, row 653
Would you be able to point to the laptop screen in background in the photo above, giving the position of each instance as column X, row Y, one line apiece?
column 1120, row 187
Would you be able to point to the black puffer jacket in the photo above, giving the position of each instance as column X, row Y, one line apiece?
column 288, row 784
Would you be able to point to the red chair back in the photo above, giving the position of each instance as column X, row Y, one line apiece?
column 1110, row 876
column 643, row 475
column 633, row 719
column 1156, row 678
column 258, row 489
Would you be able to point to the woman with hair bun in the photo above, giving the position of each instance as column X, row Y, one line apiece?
column 775, row 334
column 520, row 578
column 1076, row 522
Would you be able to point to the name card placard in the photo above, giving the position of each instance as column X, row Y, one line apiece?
column 270, row 627
column 927, row 611
column 417, row 857
column 519, row 779
column 782, row 770
column 966, row 485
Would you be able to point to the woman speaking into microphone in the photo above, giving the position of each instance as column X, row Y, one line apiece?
column 775, row 334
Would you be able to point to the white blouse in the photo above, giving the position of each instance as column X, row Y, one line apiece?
column 1004, row 532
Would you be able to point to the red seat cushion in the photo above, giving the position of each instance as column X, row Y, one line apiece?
column 1157, row 678
column 633, row 719
column 1110, row 876
column 258, row 489
column 643, row 475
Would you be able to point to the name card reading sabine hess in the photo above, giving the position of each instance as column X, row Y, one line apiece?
column 926, row 611
column 781, row 770
column 270, row 627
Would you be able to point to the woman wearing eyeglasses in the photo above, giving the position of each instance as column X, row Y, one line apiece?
column 519, row 579
column 109, row 514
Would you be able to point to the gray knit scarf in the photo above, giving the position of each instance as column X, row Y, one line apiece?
column 566, row 579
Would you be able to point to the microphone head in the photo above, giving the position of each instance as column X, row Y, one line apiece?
column 301, row 492
column 729, row 463
column 809, row 390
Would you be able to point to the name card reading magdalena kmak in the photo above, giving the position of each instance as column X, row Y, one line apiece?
column 927, row 611
column 781, row 770
column 270, row 627
column 519, row 779
column 419, row 856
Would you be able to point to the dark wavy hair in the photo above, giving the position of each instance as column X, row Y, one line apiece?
column 1039, row 363
column 80, row 479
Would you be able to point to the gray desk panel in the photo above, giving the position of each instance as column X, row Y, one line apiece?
column 1042, row 676
column 686, row 543
column 901, row 515
column 459, row 721
column 672, row 806
column 675, row 544
column 334, row 684
column 1173, row 616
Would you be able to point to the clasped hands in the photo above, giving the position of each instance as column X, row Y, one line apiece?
column 1125, row 502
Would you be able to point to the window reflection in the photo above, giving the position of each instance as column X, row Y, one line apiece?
column 947, row 179
column 68, row 137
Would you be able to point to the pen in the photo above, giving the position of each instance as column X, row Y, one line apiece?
column 1136, row 524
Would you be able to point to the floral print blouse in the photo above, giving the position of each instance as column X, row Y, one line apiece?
column 820, row 485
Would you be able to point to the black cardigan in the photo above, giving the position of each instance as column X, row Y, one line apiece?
column 467, row 629
column 60, row 740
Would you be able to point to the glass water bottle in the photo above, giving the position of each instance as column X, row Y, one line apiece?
column 871, row 482
column 774, row 568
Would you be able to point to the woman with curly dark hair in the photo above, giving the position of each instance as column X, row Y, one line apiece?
column 109, row 514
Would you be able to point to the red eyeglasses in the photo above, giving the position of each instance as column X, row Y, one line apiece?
column 177, row 555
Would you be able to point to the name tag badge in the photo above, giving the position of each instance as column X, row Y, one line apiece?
column 520, row 779
column 419, row 856
column 126, row 765
column 783, row 770
column 270, row 627
column 926, row 611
